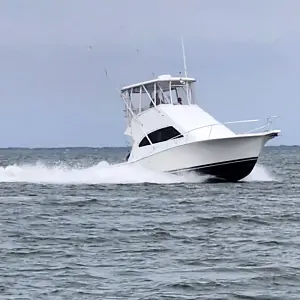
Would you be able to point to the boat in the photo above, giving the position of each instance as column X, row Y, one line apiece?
column 171, row 133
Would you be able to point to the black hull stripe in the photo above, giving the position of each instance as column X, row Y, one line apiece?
column 228, row 162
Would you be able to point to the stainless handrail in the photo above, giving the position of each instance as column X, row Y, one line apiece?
column 215, row 124
column 268, row 125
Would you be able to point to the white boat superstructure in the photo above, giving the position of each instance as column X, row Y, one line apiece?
column 171, row 133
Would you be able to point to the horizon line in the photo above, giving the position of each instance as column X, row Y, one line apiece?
column 105, row 147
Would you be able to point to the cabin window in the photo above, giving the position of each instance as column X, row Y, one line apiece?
column 161, row 135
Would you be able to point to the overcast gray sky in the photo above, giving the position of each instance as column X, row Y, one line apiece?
column 53, row 90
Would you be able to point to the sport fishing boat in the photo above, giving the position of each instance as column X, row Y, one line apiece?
column 171, row 133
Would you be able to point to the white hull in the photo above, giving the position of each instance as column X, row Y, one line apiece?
column 174, row 137
column 231, row 158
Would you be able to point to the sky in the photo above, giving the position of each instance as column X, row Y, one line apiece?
column 54, row 92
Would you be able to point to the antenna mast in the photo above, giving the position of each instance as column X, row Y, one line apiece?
column 184, row 59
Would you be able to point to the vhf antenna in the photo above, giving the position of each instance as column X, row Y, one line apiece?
column 184, row 59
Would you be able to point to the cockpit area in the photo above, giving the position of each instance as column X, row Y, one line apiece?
column 163, row 90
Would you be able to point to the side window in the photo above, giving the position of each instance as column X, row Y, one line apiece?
column 161, row 135
column 144, row 142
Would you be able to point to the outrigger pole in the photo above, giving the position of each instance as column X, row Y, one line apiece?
column 185, row 69
column 183, row 55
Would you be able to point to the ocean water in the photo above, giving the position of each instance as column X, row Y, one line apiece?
column 76, row 225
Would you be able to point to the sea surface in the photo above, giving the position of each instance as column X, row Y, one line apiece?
column 76, row 225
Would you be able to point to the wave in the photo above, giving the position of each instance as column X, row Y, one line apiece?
column 105, row 173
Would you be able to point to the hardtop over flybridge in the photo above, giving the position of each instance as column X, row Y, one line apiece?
column 171, row 133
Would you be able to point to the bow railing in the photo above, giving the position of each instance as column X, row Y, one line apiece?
column 267, row 126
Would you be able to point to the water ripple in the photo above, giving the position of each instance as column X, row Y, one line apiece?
column 92, row 237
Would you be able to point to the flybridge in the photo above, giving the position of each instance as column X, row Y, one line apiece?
column 164, row 89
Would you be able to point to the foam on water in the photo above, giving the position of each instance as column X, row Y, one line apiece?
column 260, row 173
column 104, row 173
